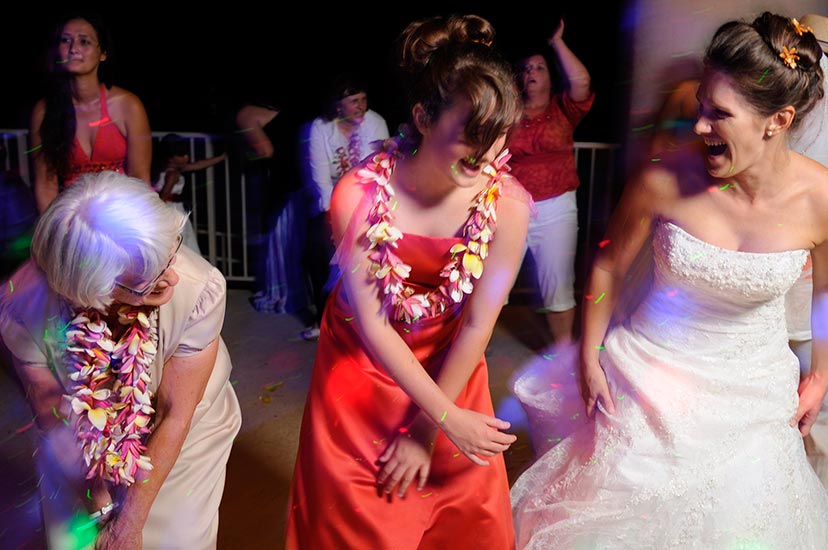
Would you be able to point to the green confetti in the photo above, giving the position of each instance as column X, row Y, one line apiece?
column 442, row 418
column 601, row 297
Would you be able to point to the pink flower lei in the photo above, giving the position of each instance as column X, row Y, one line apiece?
column 466, row 262
column 110, row 395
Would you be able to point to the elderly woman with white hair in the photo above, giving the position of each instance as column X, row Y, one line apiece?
column 114, row 332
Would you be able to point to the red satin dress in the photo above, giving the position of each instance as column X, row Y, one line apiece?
column 109, row 149
column 352, row 411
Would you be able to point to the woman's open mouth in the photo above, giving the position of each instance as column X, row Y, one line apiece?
column 715, row 148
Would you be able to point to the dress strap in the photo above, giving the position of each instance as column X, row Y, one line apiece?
column 104, row 110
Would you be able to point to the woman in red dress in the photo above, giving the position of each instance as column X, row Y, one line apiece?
column 399, row 447
column 83, row 125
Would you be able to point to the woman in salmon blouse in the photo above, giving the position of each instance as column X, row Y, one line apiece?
column 82, row 125
column 544, row 162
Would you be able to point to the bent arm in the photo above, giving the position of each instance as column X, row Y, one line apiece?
column 488, row 297
column 629, row 228
column 45, row 179
column 251, row 120
column 181, row 389
column 170, row 178
column 814, row 385
column 381, row 340
column 44, row 394
column 139, row 139
column 573, row 70
column 204, row 163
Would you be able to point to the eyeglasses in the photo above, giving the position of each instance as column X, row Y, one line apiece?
column 151, row 285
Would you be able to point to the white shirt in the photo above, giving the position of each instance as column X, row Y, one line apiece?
column 329, row 158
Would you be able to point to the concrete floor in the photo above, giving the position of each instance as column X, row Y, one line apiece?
column 272, row 368
column 271, row 374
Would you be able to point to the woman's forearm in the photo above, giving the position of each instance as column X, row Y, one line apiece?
column 163, row 447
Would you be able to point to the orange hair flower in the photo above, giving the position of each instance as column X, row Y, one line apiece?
column 789, row 56
column 800, row 28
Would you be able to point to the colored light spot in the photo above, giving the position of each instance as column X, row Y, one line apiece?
column 33, row 149
column 603, row 243
column 428, row 494
column 11, row 286
column 101, row 122
column 620, row 397
column 273, row 386
column 600, row 348
column 24, row 428
column 725, row 186
column 81, row 531
column 549, row 356
column 555, row 386
column 655, row 159
column 378, row 441
column 696, row 257
column 642, row 128
column 672, row 293
column 761, row 78
column 601, row 297
column 349, row 319
column 403, row 430
column 682, row 54
column 455, row 455
column 442, row 418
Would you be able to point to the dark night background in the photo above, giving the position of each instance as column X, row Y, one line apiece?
column 191, row 65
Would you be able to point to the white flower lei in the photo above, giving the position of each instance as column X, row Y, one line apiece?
column 110, row 395
column 467, row 258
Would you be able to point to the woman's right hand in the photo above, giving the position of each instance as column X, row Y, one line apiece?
column 594, row 387
column 476, row 434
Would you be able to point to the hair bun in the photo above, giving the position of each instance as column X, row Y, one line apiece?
column 421, row 39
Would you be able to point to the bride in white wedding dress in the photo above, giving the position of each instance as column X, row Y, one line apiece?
column 697, row 438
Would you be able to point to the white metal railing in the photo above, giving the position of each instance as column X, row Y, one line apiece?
column 218, row 198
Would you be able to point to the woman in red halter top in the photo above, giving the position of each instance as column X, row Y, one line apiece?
column 81, row 125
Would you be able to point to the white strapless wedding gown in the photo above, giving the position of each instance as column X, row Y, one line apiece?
column 700, row 452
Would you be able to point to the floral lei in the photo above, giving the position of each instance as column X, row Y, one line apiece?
column 467, row 257
column 111, row 395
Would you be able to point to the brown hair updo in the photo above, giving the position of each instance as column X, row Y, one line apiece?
column 749, row 54
column 444, row 59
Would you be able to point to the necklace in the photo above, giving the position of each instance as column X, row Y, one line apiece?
column 466, row 262
column 110, row 395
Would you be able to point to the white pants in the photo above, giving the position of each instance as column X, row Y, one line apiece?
column 552, row 240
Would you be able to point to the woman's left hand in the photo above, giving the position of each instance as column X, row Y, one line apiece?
column 118, row 535
column 405, row 458
column 811, row 395
column 557, row 35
